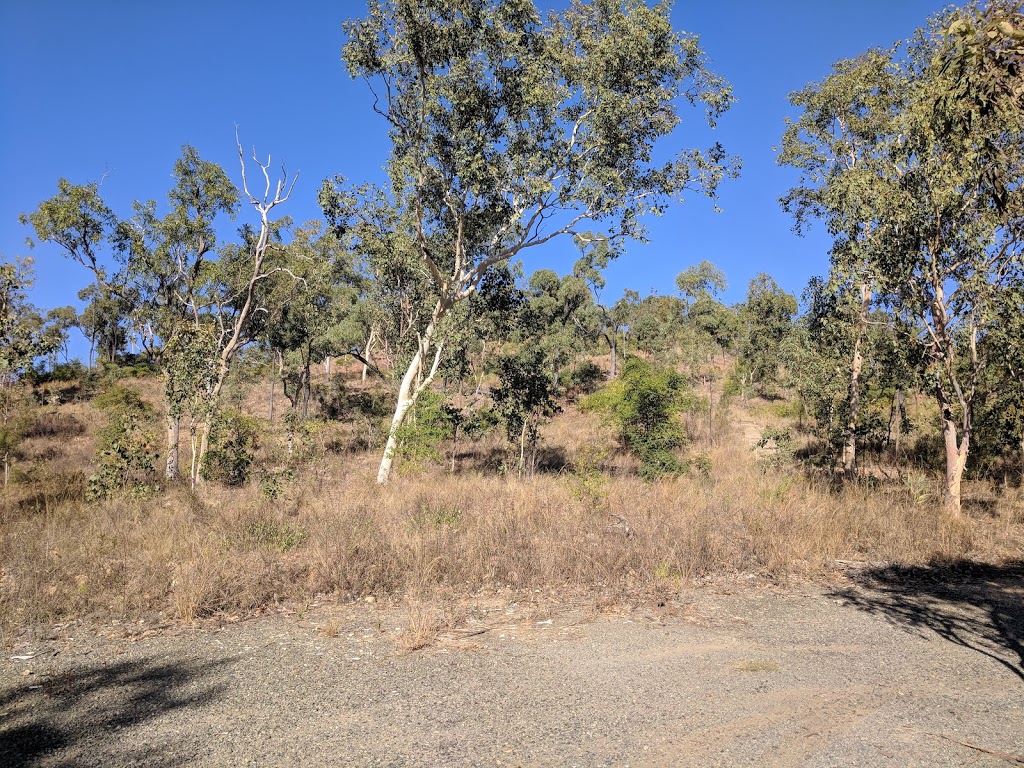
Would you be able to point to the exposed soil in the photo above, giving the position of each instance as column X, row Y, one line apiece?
column 883, row 668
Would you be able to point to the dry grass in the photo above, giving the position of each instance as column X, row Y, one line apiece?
column 183, row 556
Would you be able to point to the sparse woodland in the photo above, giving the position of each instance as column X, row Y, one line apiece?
column 382, row 402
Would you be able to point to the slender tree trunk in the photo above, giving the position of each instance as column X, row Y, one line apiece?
column 327, row 369
column 194, row 442
column 857, row 364
column 413, row 383
column 406, row 400
column 270, row 402
column 366, row 352
column 204, row 446
column 173, row 441
column 896, row 421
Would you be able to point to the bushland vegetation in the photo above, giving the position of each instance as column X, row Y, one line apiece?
column 381, row 402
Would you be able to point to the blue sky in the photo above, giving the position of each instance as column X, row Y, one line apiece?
column 116, row 88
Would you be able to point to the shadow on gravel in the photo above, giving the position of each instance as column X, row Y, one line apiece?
column 81, row 716
column 976, row 606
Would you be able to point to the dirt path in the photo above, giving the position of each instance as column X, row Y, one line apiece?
column 900, row 669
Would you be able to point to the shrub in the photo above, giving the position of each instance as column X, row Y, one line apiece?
column 645, row 405
column 430, row 423
column 125, row 459
column 233, row 443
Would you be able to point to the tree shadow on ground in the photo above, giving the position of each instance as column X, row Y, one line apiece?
column 81, row 716
column 976, row 606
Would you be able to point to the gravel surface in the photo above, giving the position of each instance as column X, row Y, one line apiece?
column 884, row 668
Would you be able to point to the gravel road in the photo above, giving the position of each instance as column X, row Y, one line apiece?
column 882, row 668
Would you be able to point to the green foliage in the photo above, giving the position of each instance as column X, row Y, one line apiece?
column 62, row 372
column 234, row 440
column 430, row 423
column 525, row 394
column 274, row 483
column 767, row 316
column 645, row 406
column 777, row 444
column 126, row 447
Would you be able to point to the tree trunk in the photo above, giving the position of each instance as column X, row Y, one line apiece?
column 956, row 461
column 204, row 446
column 173, row 439
column 406, row 399
column 455, row 445
column 611, row 344
column 850, row 446
column 366, row 352
column 327, row 369
column 413, row 383
column 270, row 404
column 193, row 472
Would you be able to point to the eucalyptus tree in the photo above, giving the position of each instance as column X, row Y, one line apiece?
column 509, row 130
column 698, row 285
column 162, row 267
column 767, row 319
column 22, row 339
column 559, row 317
column 194, row 301
column 309, row 310
column 957, row 250
column 103, row 321
column 933, row 214
column 841, row 144
column 1000, row 409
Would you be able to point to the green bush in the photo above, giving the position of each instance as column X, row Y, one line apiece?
column 430, row 423
column 234, row 440
column 125, row 459
column 645, row 405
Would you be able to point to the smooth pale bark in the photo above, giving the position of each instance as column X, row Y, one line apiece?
column 956, row 460
column 413, row 384
column 611, row 339
column 173, row 441
column 238, row 337
column 366, row 353
column 857, row 365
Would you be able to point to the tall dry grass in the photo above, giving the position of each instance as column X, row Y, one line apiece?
column 591, row 526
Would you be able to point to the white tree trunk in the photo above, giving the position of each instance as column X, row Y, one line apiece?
column 413, row 383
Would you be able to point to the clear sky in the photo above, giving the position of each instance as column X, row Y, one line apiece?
column 118, row 86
